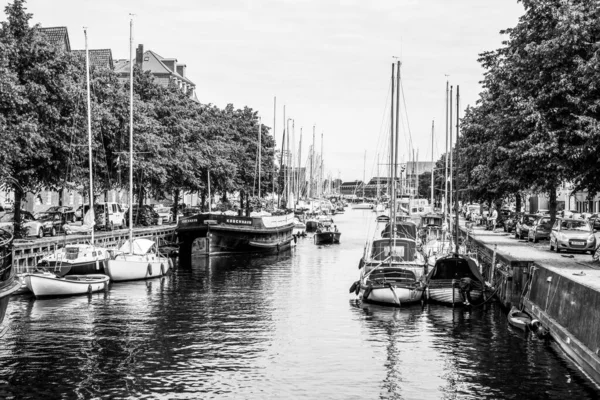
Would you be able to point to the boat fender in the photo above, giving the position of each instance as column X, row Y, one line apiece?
column 537, row 327
column 353, row 287
column 149, row 271
column 89, row 289
column 295, row 239
column 170, row 264
column 162, row 268
column 361, row 263
column 367, row 292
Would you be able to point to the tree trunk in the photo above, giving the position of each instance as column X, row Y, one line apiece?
column 18, row 199
column 552, row 205
column 247, row 206
column 175, row 204
column 518, row 202
column 203, row 201
column 61, row 192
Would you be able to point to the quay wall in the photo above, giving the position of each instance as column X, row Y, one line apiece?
column 569, row 309
column 27, row 253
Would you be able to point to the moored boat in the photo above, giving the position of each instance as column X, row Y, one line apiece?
column 327, row 237
column 519, row 319
column 45, row 284
column 76, row 259
column 236, row 234
column 8, row 283
column 455, row 279
column 299, row 228
column 138, row 261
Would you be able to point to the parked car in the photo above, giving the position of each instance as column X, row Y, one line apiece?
column 145, row 216
column 472, row 212
column 52, row 222
column 595, row 221
column 30, row 226
column 108, row 215
column 523, row 224
column 511, row 221
column 572, row 234
column 503, row 215
column 165, row 213
column 67, row 212
column 541, row 229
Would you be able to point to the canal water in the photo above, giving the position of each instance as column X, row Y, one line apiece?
column 281, row 327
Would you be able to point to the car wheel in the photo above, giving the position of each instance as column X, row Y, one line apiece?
column 53, row 231
column 40, row 233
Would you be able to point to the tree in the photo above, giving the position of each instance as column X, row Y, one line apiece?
column 39, row 103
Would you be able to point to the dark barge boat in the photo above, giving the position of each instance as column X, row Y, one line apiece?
column 216, row 233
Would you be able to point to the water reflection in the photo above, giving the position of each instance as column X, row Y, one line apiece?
column 271, row 328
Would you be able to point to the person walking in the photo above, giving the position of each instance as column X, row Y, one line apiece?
column 494, row 219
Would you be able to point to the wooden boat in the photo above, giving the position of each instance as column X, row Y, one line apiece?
column 47, row 284
column 327, row 237
column 519, row 319
column 8, row 283
column 137, row 262
column 455, row 279
column 312, row 225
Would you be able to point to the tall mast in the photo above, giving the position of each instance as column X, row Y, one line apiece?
column 300, row 165
column 391, row 185
column 457, row 163
column 321, row 183
column 89, row 121
column 432, row 165
column 450, row 144
column 397, row 125
column 377, row 194
column 259, row 153
column 274, row 133
column 445, row 204
column 131, row 136
column 281, row 162
column 312, row 163
column 364, row 169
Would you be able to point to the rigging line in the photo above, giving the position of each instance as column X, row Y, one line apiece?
column 406, row 113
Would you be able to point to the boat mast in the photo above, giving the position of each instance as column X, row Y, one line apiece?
column 396, row 140
column 432, row 164
column 299, row 165
column 259, row 153
column 321, row 180
column 364, row 169
column 131, row 136
column 281, row 162
column 312, row 163
column 445, row 204
column 274, row 133
column 450, row 145
column 457, row 163
column 391, row 171
column 89, row 121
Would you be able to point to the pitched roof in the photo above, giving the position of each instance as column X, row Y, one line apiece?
column 101, row 58
column 57, row 35
column 151, row 62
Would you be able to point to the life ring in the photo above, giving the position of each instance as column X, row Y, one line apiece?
column 89, row 289
column 149, row 271
column 162, row 268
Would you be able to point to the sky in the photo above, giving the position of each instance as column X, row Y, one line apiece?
column 329, row 62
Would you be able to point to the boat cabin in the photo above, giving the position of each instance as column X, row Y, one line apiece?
column 432, row 220
column 404, row 229
column 455, row 267
column 399, row 249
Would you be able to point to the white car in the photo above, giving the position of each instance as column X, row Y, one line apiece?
column 165, row 213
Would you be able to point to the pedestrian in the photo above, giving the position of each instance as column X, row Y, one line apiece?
column 493, row 219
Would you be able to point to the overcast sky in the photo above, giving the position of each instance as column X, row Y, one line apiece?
column 328, row 61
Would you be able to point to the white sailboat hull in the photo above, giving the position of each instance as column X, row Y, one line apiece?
column 397, row 297
column 50, row 285
column 362, row 206
column 126, row 267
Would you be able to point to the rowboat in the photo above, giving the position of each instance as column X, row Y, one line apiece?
column 519, row 319
column 48, row 284
column 327, row 237
column 455, row 279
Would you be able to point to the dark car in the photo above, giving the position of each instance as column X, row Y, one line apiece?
column 511, row 221
column 52, row 222
column 523, row 224
column 541, row 229
column 145, row 216
column 67, row 213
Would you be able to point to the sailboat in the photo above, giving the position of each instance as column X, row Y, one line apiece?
column 391, row 269
column 76, row 268
column 137, row 258
column 455, row 278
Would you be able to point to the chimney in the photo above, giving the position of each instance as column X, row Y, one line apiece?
column 181, row 69
column 139, row 55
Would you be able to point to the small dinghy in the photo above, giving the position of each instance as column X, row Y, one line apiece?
column 327, row 237
column 519, row 319
column 47, row 284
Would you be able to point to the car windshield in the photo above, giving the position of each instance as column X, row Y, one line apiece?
column 43, row 215
column 581, row 226
column 529, row 219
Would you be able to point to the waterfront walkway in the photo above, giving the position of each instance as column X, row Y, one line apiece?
column 576, row 266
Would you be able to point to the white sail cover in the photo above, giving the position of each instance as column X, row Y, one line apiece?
column 140, row 246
